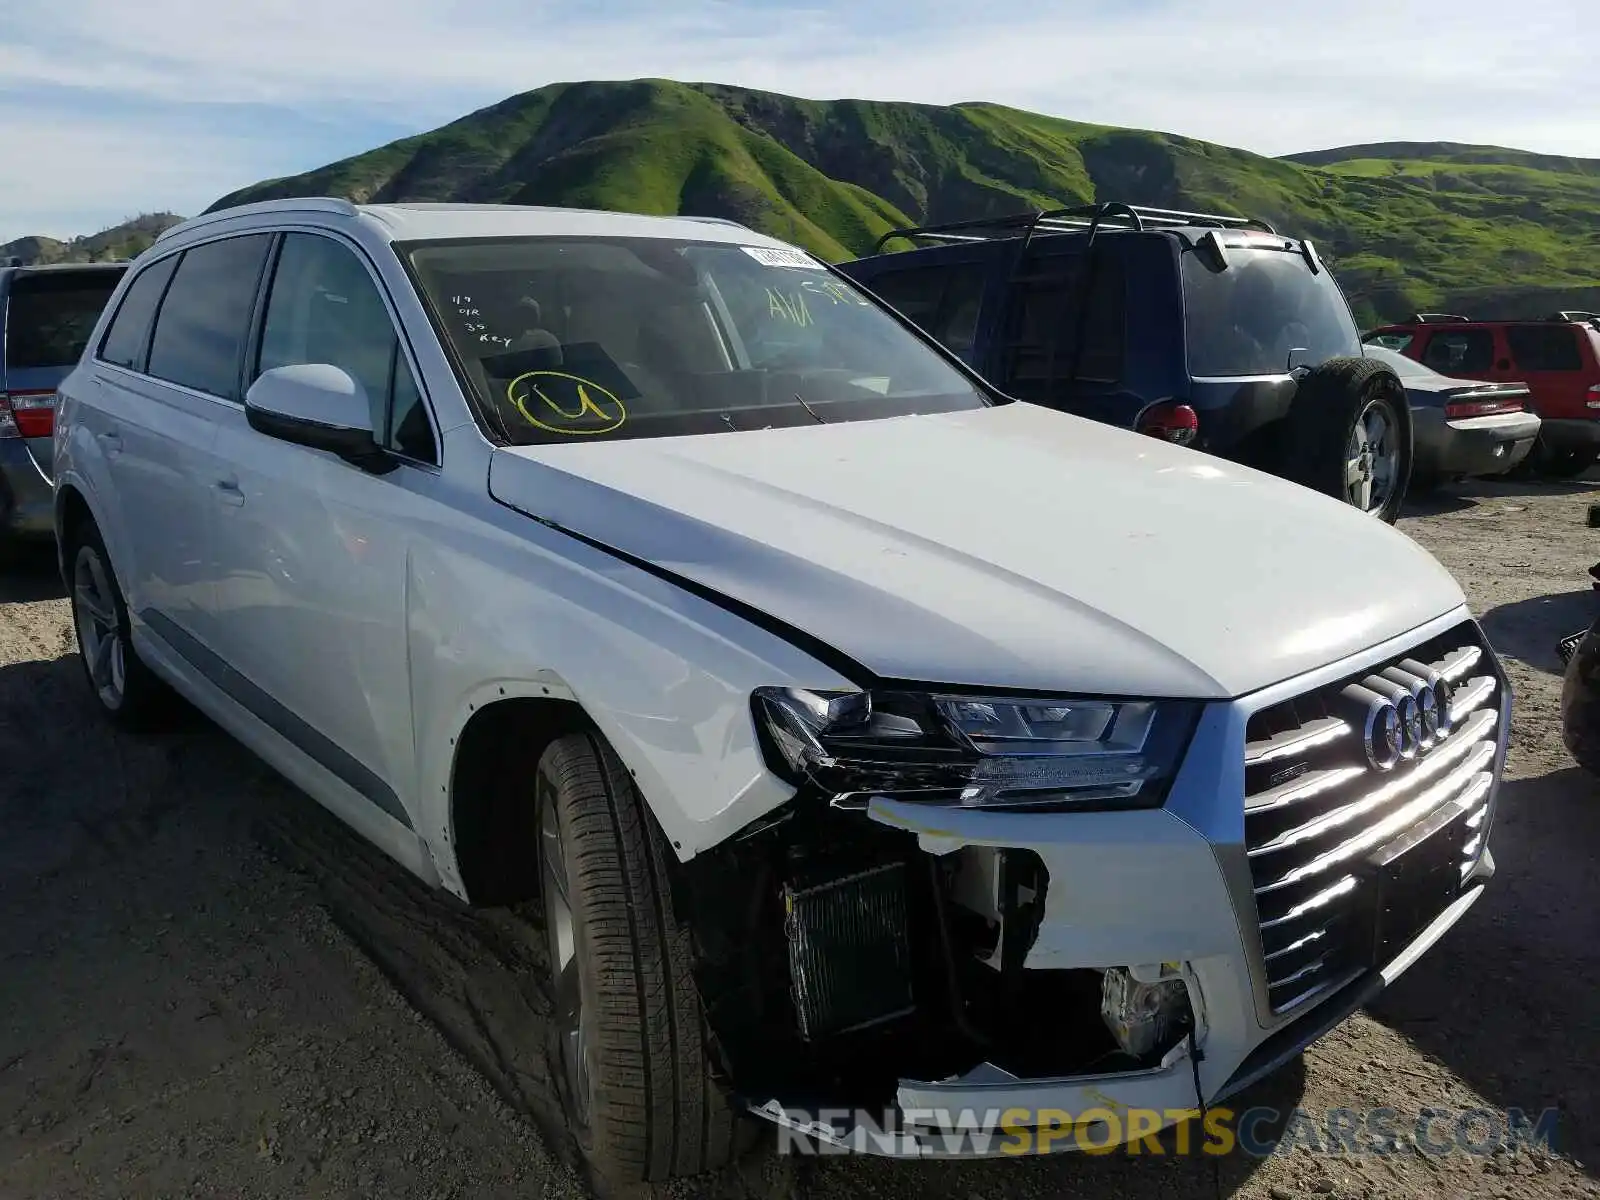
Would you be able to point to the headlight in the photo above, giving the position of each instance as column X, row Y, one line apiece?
column 976, row 751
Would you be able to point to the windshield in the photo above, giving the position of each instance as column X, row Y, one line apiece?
column 51, row 315
column 640, row 337
column 1246, row 320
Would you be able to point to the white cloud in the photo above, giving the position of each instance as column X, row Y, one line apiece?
column 1313, row 75
column 78, row 175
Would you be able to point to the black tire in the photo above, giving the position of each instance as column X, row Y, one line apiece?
column 1322, row 418
column 1567, row 464
column 127, row 692
column 654, row 1109
column 1580, row 702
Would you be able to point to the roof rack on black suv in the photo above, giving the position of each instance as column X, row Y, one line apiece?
column 1435, row 318
column 1066, row 220
column 1208, row 330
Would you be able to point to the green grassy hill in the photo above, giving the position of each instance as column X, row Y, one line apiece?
column 1448, row 227
column 127, row 240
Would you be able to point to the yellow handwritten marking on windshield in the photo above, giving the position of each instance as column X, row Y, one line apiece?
column 567, row 404
column 835, row 292
column 788, row 308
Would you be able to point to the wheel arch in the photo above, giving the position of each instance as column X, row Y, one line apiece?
column 72, row 513
column 492, row 823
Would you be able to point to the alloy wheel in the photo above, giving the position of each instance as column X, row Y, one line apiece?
column 99, row 632
column 1372, row 458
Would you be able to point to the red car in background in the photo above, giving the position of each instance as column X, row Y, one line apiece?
column 1558, row 357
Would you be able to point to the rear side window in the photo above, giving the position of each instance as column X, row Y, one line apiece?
column 200, row 332
column 51, row 314
column 943, row 300
column 1050, row 309
column 1544, row 348
column 1460, row 352
column 129, row 334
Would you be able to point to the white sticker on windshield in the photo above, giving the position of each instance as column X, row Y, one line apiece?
column 777, row 256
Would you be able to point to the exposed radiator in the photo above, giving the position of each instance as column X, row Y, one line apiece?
column 849, row 951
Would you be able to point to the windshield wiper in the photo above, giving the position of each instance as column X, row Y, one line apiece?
column 809, row 409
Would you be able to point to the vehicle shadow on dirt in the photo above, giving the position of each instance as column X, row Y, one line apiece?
column 1528, row 630
column 1449, row 499
column 28, row 572
column 1501, row 1001
column 475, row 974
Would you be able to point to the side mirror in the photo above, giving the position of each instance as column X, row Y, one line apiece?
column 1299, row 360
column 319, row 406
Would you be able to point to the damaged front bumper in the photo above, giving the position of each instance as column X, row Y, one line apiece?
column 989, row 1113
column 1193, row 885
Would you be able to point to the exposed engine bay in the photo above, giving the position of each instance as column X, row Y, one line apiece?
column 837, row 958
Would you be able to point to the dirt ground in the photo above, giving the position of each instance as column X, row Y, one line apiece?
column 209, row 988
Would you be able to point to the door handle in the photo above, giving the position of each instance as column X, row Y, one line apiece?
column 229, row 492
column 112, row 441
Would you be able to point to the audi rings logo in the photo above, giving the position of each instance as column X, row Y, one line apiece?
column 1406, row 715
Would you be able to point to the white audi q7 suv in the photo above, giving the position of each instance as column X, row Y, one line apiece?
column 872, row 744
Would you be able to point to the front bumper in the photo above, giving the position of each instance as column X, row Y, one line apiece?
column 1172, row 885
column 26, row 502
column 1472, row 446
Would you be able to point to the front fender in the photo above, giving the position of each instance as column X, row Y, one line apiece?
column 512, row 608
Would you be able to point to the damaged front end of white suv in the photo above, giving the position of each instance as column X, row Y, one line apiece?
column 997, row 924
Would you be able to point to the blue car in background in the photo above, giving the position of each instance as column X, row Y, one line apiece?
column 1210, row 331
column 46, row 316
column 1460, row 427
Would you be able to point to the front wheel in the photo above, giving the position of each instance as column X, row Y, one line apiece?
column 628, row 1038
column 1349, row 435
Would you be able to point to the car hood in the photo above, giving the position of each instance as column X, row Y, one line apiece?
column 1002, row 547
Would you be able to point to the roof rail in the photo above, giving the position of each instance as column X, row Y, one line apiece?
column 715, row 221
column 1568, row 315
column 327, row 204
column 1064, row 220
column 1434, row 318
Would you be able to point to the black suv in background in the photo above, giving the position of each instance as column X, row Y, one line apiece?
column 1216, row 332
column 46, row 314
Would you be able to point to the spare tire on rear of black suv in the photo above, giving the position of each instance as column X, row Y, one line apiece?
column 1348, row 434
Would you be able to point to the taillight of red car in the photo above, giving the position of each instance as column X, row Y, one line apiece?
column 29, row 414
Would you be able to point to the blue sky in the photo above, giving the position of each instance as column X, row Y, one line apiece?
column 108, row 108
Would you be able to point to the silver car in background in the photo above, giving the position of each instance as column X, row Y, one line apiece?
column 1460, row 427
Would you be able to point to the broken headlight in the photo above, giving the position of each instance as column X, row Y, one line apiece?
column 976, row 751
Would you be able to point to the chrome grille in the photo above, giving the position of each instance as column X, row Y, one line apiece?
column 1327, row 822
